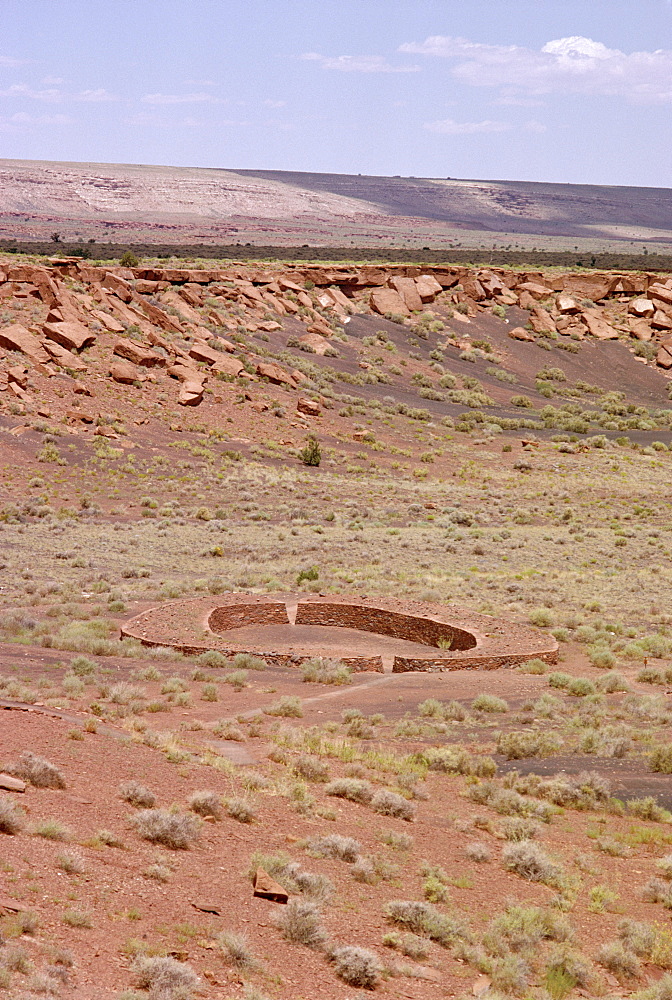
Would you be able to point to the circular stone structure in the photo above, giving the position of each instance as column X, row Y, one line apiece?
column 364, row 633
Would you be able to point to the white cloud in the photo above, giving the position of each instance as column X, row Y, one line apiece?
column 564, row 65
column 23, row 90
column 23, row 118
column 96, row 96
column 11, row 62
column 274, row 104
column 450, row 127
column 357, row 64
column 199, row 98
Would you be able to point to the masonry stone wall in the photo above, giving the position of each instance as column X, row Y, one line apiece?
column 384, row 622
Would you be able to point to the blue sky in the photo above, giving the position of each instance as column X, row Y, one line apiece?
column 551, row 90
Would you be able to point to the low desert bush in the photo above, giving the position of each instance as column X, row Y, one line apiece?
column 617, row 959
column 300, row 923
column 51, row 829
column 335, row 846
column 489, row 703
column 77, row 918
column 175, row 830
column 390, row 804
column 321, row 671
column 535, row 743
column 661, row 759
column 165, row 978
column 531, row 862
column 408, row 944
column 356, row 966
column 137, row 795
column 353, row 789
column 312, row 769
column 236, row 949
column 11, row 817
column 289, row 706
column 205, row 803
column 37, row 771
column 71, row 863
column 516, row 828
column 241, row 810
column 424, row 918
column 478, row 852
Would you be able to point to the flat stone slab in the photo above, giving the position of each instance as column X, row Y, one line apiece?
column 10, row 784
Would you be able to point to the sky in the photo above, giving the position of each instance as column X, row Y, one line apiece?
column 573, row 91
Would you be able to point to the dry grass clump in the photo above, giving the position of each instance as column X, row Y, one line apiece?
column 489, row 703
column 236, row 949
column 312, row 769
column 335, row 846
column 158, row 873
column 321, row 671
column 399, row 841
column 478, row 851
column 353, row 789
column 137, row 795
column 517, row 828
column 531, row 862
column 408, row 944
column 522, row 927
column 390, row 804
column 616, row 958
column 165, row 978
column 241, row 810
column 77, row 918
column 664, row 866
column 289, row 706
column 205, row 803
column 37, row 771
column 657, row 891
column 11, row 817
column 356, row 966
column 516, row 745
column 71, row 863
column 300, row 923
column 456, row 760
column 51, row 829
column 174, row 830
column 424, row 918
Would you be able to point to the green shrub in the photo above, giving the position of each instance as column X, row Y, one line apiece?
column 489, row 703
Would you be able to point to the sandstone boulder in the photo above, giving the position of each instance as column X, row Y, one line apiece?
column 71, row 335
column 664, row 357
column 388, row 301
column 473, row 289
column 642, row 308
column 427, row 288
column 125, row 373
column 407, row 289
column 17, row 338
column 63, row 357
column 308, row 406
column 226, row 365
column 598, row 327
column 9, row 783
column 185, row 372
column 535, row 290
column 118, row 286
column 567, row 305
column 275, row 374
column 589, row 286
column 660, row 293
column 315, row 342
column 191, row 394
column 520, row 333
column 139, row 355
column 491, row 284
column 541, row 321
column 661, row 320
column 201, row 352
column 110, row 323
column 640, row 329
column 158, row 316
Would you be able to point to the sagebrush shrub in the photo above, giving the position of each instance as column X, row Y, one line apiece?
column 137, row 795
column 530, row 862
column 205, row 803
column 175, row 830
column 356, row 966
column 11, row 818
column 165, row 978
column 300, row 923
column 390, row 804
column 353, row 789
column 37, row 771
column 335, row 846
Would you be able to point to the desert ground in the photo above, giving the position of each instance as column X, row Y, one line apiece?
column 490, row 439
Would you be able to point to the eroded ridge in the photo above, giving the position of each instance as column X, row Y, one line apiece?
column 357, row 630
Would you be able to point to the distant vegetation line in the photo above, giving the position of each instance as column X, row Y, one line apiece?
column 496, row 258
